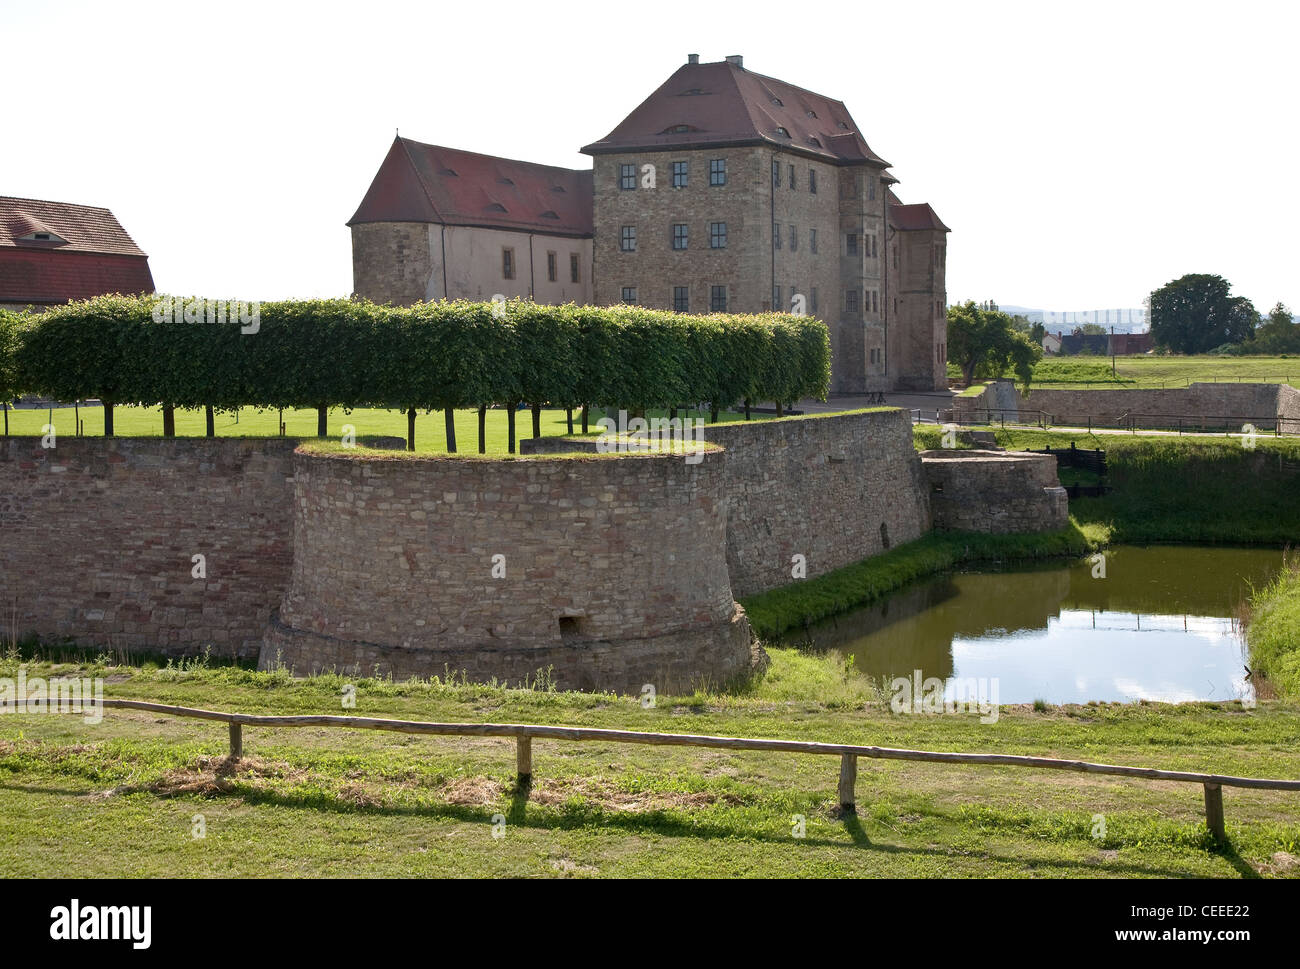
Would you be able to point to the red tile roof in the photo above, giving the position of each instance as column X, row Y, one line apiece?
column 45, row 276
column 721, row 103
column 913, row 217
column 86, row 228
column 429, row 183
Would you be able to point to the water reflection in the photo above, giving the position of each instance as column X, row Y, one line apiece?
column 1157, row 626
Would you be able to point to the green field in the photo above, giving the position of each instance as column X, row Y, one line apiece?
column 430, row 432
column 122, row 798
column 1165, row 371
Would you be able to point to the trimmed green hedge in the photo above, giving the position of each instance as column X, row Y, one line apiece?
column 431, row 356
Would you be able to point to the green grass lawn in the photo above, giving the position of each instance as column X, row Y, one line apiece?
column 123, row 797
column 1164, row 371
column 430, row 430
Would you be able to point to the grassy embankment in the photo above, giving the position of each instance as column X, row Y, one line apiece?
column 122, row 798
column 1160, row 371
column 1273, row 630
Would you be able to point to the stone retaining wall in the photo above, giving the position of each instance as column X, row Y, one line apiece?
column 994, row 491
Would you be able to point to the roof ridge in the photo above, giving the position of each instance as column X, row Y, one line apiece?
column 480, row 154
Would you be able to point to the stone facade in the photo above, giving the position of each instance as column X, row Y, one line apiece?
column 1219, row 405
column 612, row 571
column 97, row 538
column 994, row 491
column 834, row 489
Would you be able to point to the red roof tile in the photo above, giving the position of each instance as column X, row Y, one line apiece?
column 429, row 183
column 85, row 228
column 913, row 217
column 49, row 276
column 721, row 103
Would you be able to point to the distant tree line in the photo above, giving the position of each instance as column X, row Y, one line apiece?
column 985, row 342
column 1197, row 313
column 431, row 356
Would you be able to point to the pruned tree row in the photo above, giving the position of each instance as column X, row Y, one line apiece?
column 320, row 354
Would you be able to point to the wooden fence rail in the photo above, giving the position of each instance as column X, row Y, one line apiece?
column 524, row 733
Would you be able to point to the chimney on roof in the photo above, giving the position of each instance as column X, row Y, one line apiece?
column 692, row 58
column 737, row 60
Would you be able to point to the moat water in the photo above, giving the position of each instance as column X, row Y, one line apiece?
column 1160, row 625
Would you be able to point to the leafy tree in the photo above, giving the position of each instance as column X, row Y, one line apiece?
column 1197, row 312
column 983, row 343
column 1279, row 333
column 1092, row 329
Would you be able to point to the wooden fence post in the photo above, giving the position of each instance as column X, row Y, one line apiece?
column 1214, row 811
column 848, row 779
column 524, row 760
column 236, row 741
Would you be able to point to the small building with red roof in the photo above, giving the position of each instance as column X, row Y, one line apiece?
column 53, row 252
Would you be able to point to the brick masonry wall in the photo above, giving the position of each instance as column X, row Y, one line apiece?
column 1257, row 403
column 614, row 571
column 994, row 491
column 97, row 535
column 834, row 489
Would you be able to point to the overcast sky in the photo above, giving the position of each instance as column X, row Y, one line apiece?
column 1082, row 154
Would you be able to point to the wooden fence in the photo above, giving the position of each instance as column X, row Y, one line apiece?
column 524, row 733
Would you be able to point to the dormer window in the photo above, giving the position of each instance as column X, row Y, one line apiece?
column 496, row 207
column 812, row 114
column 504, row 181
column 841, row 124
column 815, row 142
column 778, row 102
column 783, row 132
column 42, row 236
column 448, row 171
column 549, row 214
column 558, row 188
column 692, row 92
column 679, row 129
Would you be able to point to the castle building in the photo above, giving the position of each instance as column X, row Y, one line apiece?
column 725, row 190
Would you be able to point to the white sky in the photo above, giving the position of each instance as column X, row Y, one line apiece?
column 1082, row 154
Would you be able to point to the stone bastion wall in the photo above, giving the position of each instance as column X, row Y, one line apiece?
column 615, row 571
column 1263, row 405
column 599, row 572
column 994, row 491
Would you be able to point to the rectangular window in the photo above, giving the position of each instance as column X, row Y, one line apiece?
column 874, row 252
column 776, row 174
column 574, row 274
column 812, row 239
column 717, row 171
column 681, row 299
column 871, row 190
column 875, row 301
column 679, row 174
column 776, row 235
column 851, row 243
column 552, row 267
column 627, row 241
column 507, row 264
column 794, row 239
column 850, row 301
column 627, row 176
column 790, row 172
column 776, row 298
column 717, row 235
column 718, row 299
column 680, row 238
column 812, row 181
column 629, row 294
column 895, row 257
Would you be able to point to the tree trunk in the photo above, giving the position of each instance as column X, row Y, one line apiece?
column 410, row 429
column 322, row 421
column 537, row 420
column 449, row 422
column 6, row 409
column 586, row 413
column 568, row 419
column 108, row 419
column 779, row 411
column 169, row 421
column 482, row 429
column 746, row 410
column 713, row 412
column 672, row 413
column 210, row 421
column 510, row 427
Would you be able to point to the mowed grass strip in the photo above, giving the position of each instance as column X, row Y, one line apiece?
column 123, row 797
